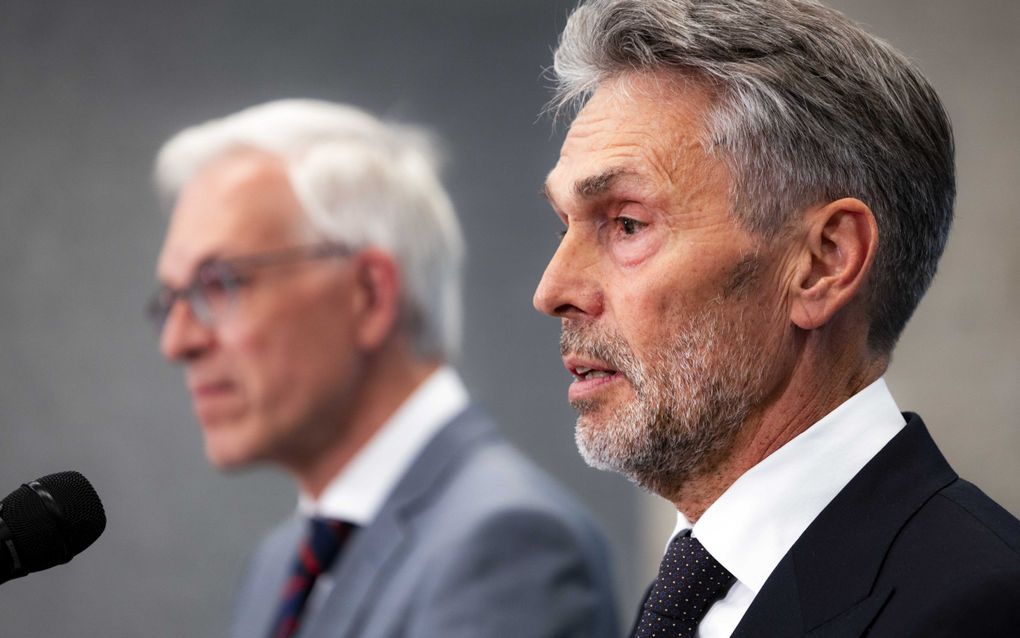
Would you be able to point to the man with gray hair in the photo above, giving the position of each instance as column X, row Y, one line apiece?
column 756, row 194
column 318, row 260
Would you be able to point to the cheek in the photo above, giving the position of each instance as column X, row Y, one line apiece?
column 268, row 356
column 293, row 353
column 652, row 305
column 667, row 287
column 636, row 309
column 304, row 359
column 255, row 357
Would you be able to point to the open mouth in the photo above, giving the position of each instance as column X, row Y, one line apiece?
column 211, row 389
column 585, row 373
column 591, row 378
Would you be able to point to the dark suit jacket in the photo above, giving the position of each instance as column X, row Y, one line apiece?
column 907, row 548
column 474, row 542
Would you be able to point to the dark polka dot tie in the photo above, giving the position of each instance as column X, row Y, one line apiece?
column 689, row 582
column 317, row 552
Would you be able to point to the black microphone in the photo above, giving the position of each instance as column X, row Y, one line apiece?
column 47, row 522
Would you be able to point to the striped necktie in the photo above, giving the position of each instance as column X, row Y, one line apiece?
column 690, row 581
column 315, row 555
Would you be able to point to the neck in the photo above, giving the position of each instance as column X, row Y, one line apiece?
column 818, row 384
column 387, row 380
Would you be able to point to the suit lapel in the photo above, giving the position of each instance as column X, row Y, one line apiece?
column 824, row 586
column 366, row 562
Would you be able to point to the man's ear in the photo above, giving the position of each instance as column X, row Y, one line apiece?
column 834, row 261
column 378, row 282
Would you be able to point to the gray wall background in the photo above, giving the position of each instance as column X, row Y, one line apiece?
column 88, row 91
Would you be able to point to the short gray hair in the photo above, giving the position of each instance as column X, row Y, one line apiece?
column 361, row 182
column 808, row 108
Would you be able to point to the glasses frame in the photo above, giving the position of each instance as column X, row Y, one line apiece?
column 222, row 277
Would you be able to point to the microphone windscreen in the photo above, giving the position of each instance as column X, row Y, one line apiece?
column 52, row 519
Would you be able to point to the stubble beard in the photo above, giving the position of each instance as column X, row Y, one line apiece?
column 692, row 396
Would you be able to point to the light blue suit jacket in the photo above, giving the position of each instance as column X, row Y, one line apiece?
column 474, row 542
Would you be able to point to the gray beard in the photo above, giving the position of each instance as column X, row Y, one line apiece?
column 691, row 400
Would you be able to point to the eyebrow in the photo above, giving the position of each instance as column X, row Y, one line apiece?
column 195, row 266
column 594, row 185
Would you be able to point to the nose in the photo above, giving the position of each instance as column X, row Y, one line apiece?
column 570, row 286
column 184, row 337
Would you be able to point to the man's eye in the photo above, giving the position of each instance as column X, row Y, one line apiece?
column 215, row 286
column 629, row 226
column 216, row 278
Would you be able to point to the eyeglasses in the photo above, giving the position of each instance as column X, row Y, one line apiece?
column 212, row 293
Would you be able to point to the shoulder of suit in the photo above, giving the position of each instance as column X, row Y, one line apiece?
column 958, row 534
column 974, row 513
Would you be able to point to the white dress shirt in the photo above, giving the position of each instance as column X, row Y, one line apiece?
column 755, row 522
column 360, row 490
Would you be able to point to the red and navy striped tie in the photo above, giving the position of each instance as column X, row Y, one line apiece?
column 317, row 552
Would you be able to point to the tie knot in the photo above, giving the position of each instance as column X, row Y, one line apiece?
column 690, row 580
column 325, row 537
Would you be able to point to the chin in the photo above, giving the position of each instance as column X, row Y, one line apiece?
column 606, row 441
column 225, row 461
column 226, row 452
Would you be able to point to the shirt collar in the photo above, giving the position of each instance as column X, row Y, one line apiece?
column 361, row 488
column 758, row 519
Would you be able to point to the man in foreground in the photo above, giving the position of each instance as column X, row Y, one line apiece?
column 756, row 194
column 310, row 290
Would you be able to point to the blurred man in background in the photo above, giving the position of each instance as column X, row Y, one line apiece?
column 310, row 290
column 756, row 194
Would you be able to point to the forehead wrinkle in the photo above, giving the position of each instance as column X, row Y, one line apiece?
column 624, row 133
column 658, row 118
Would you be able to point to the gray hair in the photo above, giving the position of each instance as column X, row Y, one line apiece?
column 808, row 108
column 361, row 182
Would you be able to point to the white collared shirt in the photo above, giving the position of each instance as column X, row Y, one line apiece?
column 359, row 491
column 758, row 519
